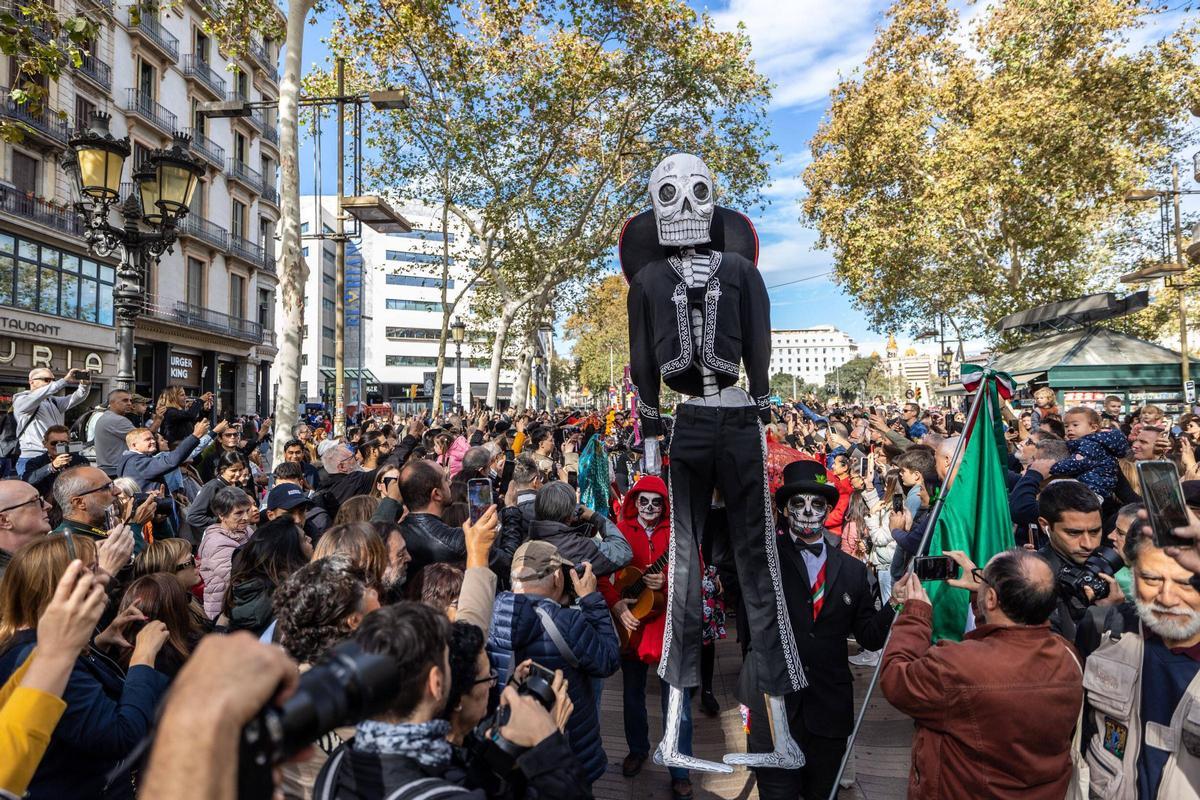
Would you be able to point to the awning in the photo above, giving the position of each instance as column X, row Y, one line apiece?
column 1088, row 310
column 327, row 373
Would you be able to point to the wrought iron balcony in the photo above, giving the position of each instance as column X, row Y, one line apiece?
column 203, row 319
column 35, row 209
column 197, row 68
column 97, row 71
column 103, row 5
column 258, row 51
column 240, row 172
column 246, row 250
column 270, row 133
column 270, row 195
column 13, row 8
column 200, row 228
column 268, row 263
column 143, row 23
column 46, row 126
column 146, row 107
column 207, row 149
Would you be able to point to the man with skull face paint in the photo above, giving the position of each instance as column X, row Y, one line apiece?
column 698, row 309
column 828, row 599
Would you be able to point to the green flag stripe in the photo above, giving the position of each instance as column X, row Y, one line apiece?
column 974, row 517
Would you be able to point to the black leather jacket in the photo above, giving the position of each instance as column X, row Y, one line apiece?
column 431, row 541
column 737, row 327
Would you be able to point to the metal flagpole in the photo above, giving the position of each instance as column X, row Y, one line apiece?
column 934, row 513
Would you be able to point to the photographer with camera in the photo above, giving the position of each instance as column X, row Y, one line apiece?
column 405, row 750
column 38, row 408
column 1069, row 512
column 561, row 521
column 532, row 621
column 41, row 471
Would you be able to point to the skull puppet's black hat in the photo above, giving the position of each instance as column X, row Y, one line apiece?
column 731, row 232
column 805, row 477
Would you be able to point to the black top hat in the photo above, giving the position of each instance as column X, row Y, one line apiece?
column 805, row 477
column 731, row 232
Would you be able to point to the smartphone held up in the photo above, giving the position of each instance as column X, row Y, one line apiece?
column 1165, row 504
column 479, row 497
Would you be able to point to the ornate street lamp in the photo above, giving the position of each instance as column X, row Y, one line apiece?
column 164, row 186
column 458, row 331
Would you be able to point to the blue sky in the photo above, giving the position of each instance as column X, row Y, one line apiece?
column 802, row 46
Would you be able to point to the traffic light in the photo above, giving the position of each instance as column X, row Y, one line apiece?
column 918, row 392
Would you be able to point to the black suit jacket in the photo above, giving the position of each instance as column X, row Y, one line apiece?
column 827, row 703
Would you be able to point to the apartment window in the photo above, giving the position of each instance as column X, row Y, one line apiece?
column 200, row 47
column 266, row 234
column 25, row 173
column 239, row 147
column 419, row 281
column 243, row 85
column 199, row 121
column 147, row 80
column 327, row 331
column 304, row 228
column 237, row 297
column 424, row 234
column 195, row 281
column 141, row 154
column 326, row 304
column 304, row 360
column 327, row 361
column 198, row 198
column 413, row 305
column 52, row 281
column 237, row 221
column 304, row 252
column 266, row 306
column 84, row 109
column 327, row 279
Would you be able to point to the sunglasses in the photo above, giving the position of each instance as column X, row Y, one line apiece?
column 191, row 562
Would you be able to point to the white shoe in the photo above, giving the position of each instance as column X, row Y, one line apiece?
column 867, row 658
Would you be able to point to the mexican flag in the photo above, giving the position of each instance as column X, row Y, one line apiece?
column 974, row 516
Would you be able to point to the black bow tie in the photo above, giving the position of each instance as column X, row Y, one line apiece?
column 815, row 548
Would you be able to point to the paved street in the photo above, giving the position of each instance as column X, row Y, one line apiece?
column 881, row 756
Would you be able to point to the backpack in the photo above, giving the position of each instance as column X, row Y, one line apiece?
column 416, row 789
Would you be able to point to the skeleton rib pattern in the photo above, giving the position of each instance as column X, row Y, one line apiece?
column 697, row 269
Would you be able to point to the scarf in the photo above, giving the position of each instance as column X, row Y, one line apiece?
column 423, row 742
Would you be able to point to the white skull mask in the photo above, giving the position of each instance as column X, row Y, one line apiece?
column 681, row 189
column 806, row 513
column 650, row 508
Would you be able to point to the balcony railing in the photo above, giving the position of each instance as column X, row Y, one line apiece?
column 145, row 106
column 35, row 209
column 258, row 51
column 270, row 133
column 23, row 19
column 196, row 67
column 270, row 195
column 104, row 5
column 240, row 172
column 204, row 319
column 197, row 226
column 97, row 70
column 246, row 250
column 268, row 263
column 46, row 125
column 207, row 149
column 143, row 21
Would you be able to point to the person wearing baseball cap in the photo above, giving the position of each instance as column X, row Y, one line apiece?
column 288, row 499
column 533, row 621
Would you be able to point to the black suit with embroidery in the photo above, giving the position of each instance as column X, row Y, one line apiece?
column 821, row 715
column 737, row 328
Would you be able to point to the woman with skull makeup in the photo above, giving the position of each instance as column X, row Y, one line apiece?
column 829, row 599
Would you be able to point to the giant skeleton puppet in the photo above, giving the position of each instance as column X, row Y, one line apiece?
column 698, row 308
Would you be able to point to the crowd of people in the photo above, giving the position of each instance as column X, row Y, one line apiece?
column 504, row 566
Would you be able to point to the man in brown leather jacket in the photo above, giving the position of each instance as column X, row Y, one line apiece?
column 995, row 713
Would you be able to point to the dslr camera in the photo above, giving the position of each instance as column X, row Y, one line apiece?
column 494, row 758
column 1073, row 578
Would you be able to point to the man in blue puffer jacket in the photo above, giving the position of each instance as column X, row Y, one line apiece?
column 525, row 622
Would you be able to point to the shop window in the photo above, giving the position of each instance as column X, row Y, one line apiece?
column 55, row 282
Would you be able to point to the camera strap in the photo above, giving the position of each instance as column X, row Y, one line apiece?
column 556, row 636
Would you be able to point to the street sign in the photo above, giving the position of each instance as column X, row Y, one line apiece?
column 1189, row 392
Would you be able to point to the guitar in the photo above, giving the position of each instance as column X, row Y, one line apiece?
column 647, row 602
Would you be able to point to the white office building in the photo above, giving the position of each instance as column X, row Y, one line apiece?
column 397, row 279
column 809, row 354
column 207, row 324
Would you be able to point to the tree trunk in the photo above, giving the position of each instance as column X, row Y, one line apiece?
column 502, row 325
column 293, row 272
column 441, row 356
column 524, row 373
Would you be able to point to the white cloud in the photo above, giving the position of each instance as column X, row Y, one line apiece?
column 804, row 45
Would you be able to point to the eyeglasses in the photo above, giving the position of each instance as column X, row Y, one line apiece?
column 977, row 576
column 491, row 678
column 107, row 487
column 191, row 562
column 36, row 497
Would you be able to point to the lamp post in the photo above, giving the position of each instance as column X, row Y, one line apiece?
column 1166, row 269
column 163, row 188
column 548, row 332
column 458, row 331
column 537, row 371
